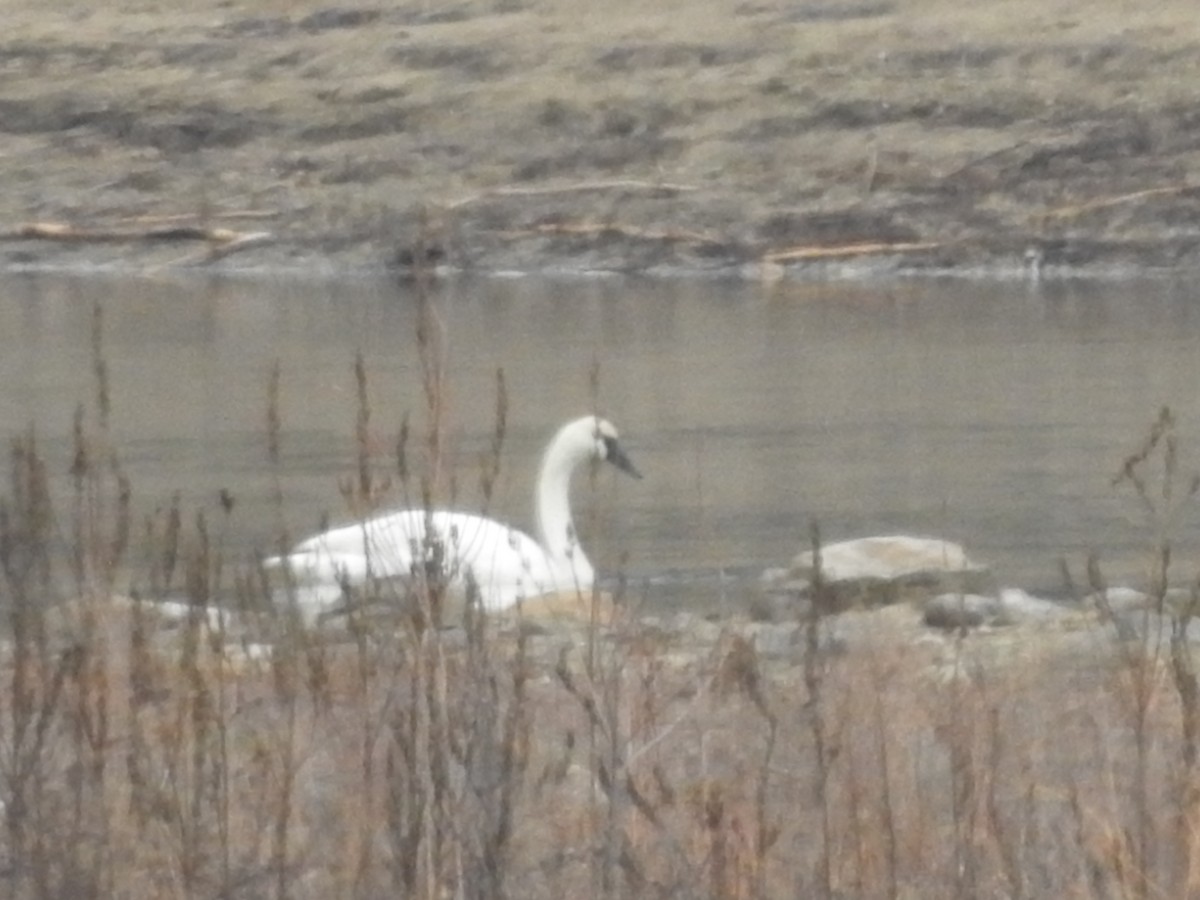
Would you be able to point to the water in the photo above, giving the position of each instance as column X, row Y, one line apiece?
column 991, row 414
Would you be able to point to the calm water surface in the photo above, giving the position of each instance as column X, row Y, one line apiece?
column 995, row 415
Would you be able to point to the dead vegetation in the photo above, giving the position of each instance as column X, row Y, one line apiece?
column 495, row 759
column 983, row 130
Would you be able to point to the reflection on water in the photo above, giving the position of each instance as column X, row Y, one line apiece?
column 992, row 414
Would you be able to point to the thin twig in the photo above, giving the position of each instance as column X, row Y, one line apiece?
column 1067, row 212
column 233, row 214
column 610, row 229
column 221, row 250
column 67, row 233
column 844, row 250
column 579, row 187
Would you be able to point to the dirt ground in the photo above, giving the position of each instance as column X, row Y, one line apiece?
column 759, row 136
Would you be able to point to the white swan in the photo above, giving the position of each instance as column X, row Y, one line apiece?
column 506, row 565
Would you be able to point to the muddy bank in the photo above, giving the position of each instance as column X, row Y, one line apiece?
column 766, row 138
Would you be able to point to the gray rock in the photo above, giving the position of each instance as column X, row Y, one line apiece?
column 1153, row 627
column 1022, row 607
column 879, row 571
column 1119, row 600
column 776, row 640
column 884, row 558
column 957, row 611
column 1010, row 606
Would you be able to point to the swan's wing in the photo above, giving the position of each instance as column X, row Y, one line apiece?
column 505, row 564
column 352, row 554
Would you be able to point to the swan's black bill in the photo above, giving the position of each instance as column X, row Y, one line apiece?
column 615, row 455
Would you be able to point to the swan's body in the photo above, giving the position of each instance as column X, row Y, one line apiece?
column 504, row 564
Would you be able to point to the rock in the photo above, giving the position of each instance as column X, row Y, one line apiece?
column 1120, row 600
column 1021, row 606
column 954, row 611
column 782, row 641
column 888, row 557
column 1155, row 628
column 1010, row 606
column 878, row 571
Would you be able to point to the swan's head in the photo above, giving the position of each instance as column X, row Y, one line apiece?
column 595, row 438
column 609, row 449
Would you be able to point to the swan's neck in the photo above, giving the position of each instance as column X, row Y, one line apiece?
column 557, row 530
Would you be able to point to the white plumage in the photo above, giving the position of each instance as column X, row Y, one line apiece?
column 506, row 565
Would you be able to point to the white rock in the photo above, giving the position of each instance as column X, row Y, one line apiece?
column 885, row 558
column 1021, row 606
column 1121, row 599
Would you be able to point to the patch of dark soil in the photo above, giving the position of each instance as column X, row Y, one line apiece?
column 199, row 55
column 253, row 27
column 601, row 155
column 612, row 120
column 614, row 250
column 146, row 181
column 947, row 217
column 774, row 85
column 175, row 131
column 349, row 127
column 834, row 11
column 954, row 115
column 620, row 120
column 295, row 164
column 365, row 170
column 754, row 9
column 404, row 259
column 1181, row 217
column 186, row 131
column 1095, row 58
column 378, row 95
column 1182, row 118
column 1111, row 141
column 962, row 57
column 53, row 114
column 22, row 53
column 471, row 61
column 1084, row 252
column 1115, row 56
column 631, row 57
column 561, row 115
column 34, row 58
column 338, row 17
column 425, row 14
column 289, row 60
column 854, row 114
column 851, row 115
column 845, row 226
column 1109, row 58
column 770, row 128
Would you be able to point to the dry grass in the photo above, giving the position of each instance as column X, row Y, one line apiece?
column 600, row 760
column 911, row 120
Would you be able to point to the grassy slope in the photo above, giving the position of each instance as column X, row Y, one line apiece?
column 816, row 122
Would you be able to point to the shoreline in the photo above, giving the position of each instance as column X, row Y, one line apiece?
column 317, row 269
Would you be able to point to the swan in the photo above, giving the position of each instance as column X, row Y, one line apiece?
column 504, row 564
